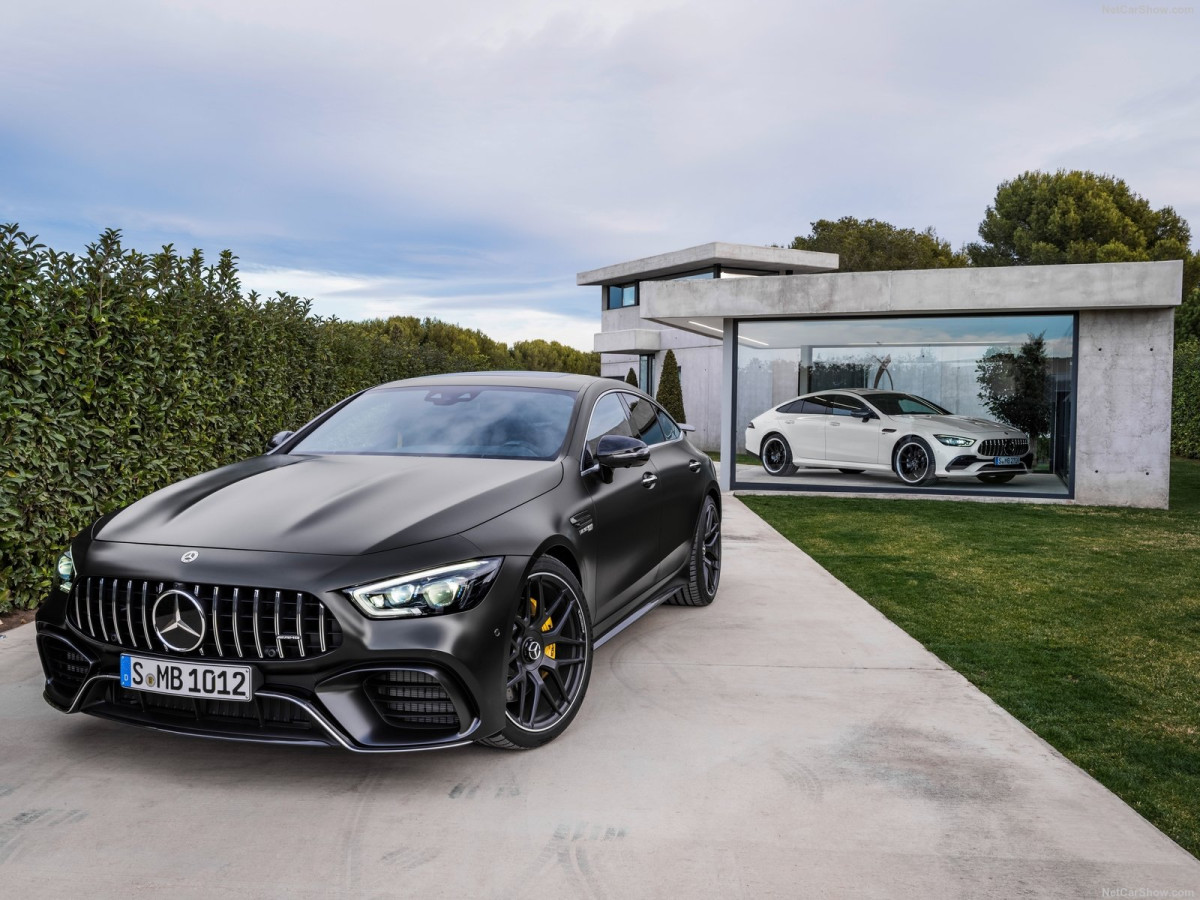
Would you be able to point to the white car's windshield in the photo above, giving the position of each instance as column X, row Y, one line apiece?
column 450, row 420
column 906, row 405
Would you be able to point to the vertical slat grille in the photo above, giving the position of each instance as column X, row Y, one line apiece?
column 277, row 624
column 1004, row 447
column 129, row 612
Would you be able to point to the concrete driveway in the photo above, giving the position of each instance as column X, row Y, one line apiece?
column 786, row 742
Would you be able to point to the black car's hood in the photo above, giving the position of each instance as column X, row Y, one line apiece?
column 341, row 505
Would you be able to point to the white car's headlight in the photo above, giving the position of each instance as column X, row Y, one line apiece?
column 953, row 440
column 66, row 571
column 446, row 589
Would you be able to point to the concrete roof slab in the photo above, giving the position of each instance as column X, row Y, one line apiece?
column 746, row 256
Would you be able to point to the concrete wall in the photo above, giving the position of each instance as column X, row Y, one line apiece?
column 1004, row 289
column 698, row 357
column 1123, row 397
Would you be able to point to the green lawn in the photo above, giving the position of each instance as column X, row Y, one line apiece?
column 1082, row 622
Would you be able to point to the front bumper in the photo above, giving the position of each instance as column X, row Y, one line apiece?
column 388, row 685
column 953, row 463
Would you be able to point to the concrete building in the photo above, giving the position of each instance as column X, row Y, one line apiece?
column 752, row 327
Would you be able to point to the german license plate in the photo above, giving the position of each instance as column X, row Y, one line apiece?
column 186, row 679
column 1008, row 460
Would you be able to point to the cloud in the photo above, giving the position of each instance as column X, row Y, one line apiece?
column 497, row 149
column 504, row 312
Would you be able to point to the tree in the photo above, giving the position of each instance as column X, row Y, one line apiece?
column 551, row 356
column 1040, row 218
column 869, row 245
column 1187, row 317
column 631, row 378
column 1013, row 387
column 670, row 391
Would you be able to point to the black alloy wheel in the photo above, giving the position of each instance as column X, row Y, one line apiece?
column 913, row 462
column 997, row 477
column 704, row 567
column 776, row 455
column 549, row 658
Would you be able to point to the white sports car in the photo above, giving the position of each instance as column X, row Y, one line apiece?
column 859, row 430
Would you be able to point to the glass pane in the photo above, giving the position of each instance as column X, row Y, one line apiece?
column 460, row 420
column 608, row 417
column 667, row 424
column 643, row 416
column 1013, row 375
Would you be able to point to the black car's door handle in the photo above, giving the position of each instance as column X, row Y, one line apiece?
column 694, row 465
column 649, row 480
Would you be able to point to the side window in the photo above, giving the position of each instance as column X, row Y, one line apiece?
column 791, row 409
column 815, row 406
column 643, row 415
column 608, row 417
column 845, row 405
column 667, row 424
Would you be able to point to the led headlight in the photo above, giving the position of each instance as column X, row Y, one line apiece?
column 66, row 571
column 434, row 591
column 953, row 440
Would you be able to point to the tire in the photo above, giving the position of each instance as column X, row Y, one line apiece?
column 852, row 471
column 543, row 692
column 997, row 477
column 776, row 455
column 913, row 462
column 704, row 567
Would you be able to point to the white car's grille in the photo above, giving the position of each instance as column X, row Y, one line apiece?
column 1004, row 447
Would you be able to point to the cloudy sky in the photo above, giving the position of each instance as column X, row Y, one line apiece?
column 465, row 159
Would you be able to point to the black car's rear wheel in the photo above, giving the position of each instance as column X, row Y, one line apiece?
column 704, row 568
column 549, row 658
column 777, row 456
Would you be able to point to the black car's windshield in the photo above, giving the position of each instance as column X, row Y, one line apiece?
column 905, row 405
column 450, row 420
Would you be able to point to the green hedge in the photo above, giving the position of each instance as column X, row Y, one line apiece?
column 121, row 372
column 1185, row 414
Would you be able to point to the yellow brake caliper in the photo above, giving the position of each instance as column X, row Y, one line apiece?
column 549, row 649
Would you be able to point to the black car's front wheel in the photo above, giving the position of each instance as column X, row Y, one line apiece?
column 549, row 658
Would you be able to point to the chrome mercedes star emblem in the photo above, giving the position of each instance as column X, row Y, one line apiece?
column 189, row 556
column 533, row 650
column 178, row 620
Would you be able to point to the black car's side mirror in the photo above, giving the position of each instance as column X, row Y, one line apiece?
column 867, row 416
column 278, row 439
column 616, row 451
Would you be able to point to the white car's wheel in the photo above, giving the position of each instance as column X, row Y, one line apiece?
column 776, row 455
column 913, row 462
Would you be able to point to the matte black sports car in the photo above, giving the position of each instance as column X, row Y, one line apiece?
column 429, row 563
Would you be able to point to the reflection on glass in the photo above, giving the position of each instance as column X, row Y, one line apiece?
column 1013, row 369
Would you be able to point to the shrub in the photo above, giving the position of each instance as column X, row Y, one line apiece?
column 670, row 391
column 1185, row 413
column 121, row 373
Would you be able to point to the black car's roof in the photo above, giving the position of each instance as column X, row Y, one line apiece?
column 562, row 381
